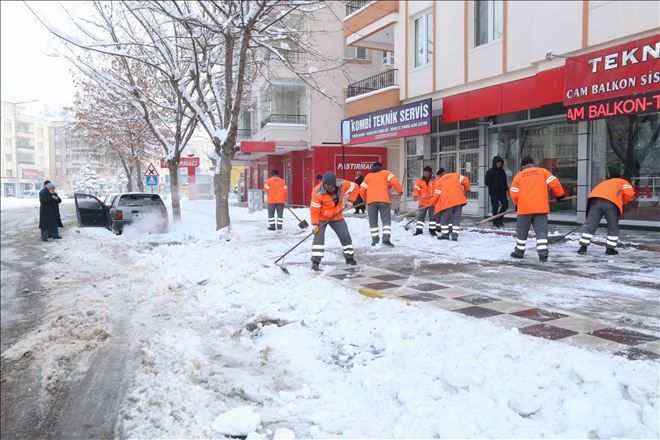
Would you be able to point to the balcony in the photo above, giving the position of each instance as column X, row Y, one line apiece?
column 291, row 56
column 353, row 7
column 284, row 119
column 25, row 146
column 373, row 83
column 375, row 93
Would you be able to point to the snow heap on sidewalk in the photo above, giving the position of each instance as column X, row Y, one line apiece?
column 230, row 345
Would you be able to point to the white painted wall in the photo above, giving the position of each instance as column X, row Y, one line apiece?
column 629, row 17
column 557, row 25
column 449, row 44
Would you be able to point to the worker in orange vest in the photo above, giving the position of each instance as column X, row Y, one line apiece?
column 449, row 198
column 327, row 206
column 606, row 199
column 423, row 192
column 277, row 192
column 375, row 191
column 529, row 191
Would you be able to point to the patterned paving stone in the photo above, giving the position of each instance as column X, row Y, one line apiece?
column 650, row 346
column 478, row 312
column 539, row 315
column 427, row 287
column 579, row 324
column 425, row 297
column 623, row 336
column 345, row 276
column 593, row 343
column 449, row 304
column 546, row 331
column 509, row 307
column 389, row 277
column 377, row 286
column 508, row 321
column 635, row 354
column 477, row 299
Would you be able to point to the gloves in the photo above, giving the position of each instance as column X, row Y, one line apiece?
column 316, row 229
column 560, row 198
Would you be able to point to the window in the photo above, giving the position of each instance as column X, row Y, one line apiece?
column 388, row 58
column 9, row 173
column 8, row 157
column 7, row 142
column 356, row 53
column 424, row 39
column 488, row 16
column 7, row 125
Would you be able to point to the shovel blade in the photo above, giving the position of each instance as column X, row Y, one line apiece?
column 303, row 224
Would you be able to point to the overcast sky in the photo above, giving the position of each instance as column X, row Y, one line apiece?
column 27, row 70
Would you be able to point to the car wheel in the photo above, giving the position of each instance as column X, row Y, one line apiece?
column 116, row 231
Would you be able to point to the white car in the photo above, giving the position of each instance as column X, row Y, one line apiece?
column 30, row 194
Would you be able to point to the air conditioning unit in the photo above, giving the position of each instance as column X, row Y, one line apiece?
column 388, row 59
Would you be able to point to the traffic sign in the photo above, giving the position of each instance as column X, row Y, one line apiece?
column 152, row 180
column 151, row 171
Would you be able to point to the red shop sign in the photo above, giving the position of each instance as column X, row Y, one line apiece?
column 354, row 163
column 623, row 70
column 615, row 107
column 184, row 162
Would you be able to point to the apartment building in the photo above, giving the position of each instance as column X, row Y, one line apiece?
column 290, row 126
column 574, row 84
column 25, row 150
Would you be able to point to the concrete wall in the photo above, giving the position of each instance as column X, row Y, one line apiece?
column 631, row 17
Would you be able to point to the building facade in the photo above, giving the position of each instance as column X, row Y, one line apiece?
column 572, row 84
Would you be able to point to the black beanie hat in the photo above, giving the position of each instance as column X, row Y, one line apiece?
column 428, row 169
column 440, row 171
column 330, row 178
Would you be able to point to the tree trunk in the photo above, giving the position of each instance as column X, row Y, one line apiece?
column 138, row 177
column 174, row 190
column 221, row 183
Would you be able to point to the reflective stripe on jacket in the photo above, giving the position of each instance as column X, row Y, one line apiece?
column 531, row 188
column 323, row 207
column 616, row 190
column 276, row 189
column 376, row 187
column 422, row 190
column 449, row 191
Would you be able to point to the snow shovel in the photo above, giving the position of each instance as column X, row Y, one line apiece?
column 282, row 265
column 511, row 211
column 406, row 226
column 555, row 240
column 302, row 224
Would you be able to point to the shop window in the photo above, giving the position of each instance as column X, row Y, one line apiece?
column 630, row 146
column 437, row 126
column 488, row 15
column 468, row 140
column 447, row 142
column 424, row 39
column 511, row 117
column 548, row 110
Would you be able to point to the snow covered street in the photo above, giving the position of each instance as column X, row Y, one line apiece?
column 205, row 338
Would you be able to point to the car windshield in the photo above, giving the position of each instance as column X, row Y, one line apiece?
column 140, row 200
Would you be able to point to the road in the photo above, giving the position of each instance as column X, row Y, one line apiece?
column 67, row 401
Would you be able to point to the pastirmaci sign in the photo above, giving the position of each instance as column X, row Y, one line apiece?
column 396, row 122
column 624, row 70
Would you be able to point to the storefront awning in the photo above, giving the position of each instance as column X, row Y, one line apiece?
column 536, row 91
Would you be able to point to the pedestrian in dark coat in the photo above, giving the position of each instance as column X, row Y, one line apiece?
column 498, row 185
column 49, row 212
column 358, row 181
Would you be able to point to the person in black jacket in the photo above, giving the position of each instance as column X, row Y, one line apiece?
column 358, row 181
column 49, row 212
column 497, row 188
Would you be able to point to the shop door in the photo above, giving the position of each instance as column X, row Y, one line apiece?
column 287, row 179
column 308, row 179
column 469, row 167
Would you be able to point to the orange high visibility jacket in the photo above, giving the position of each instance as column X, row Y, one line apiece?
column 376, row 187
column 422, row 190
column 449, row 191
column 276, row 189
column 616, row 190
column 316, row 188
column 531, row 188
column 323, row 207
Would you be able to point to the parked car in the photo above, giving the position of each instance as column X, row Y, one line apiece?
column 124, row 209
column 30, row 194
column 109, row 199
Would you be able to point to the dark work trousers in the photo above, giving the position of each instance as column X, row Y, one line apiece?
column 500, row 203
column 341, row 229
column 279, row 207
column 421, row 218
column 540, row 223
column 599, row 208
column 373, row 210
column 450, row 221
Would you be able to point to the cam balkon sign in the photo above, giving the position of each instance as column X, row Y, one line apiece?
column 396, row 122
column 626, row 76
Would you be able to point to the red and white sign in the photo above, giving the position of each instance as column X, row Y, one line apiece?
column 257, row 147
column 614, row 107
column 151, row 171
column 29, row 173
column 184, row 162
column 349, row 164
column 623, row 70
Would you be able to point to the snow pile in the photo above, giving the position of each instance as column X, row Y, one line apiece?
column 230, row 345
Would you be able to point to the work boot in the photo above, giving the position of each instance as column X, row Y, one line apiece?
column 517, row 253
column 279, row 227
column 388, row 243
column 315, row 266
column 609, row 251
column 374, row 241
column 351, row 261
column 454, row 237
column 443, row 237
column 543, row 258
column 432, row 232
column 417, row 232
column 582, row 250
column 271, row 228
